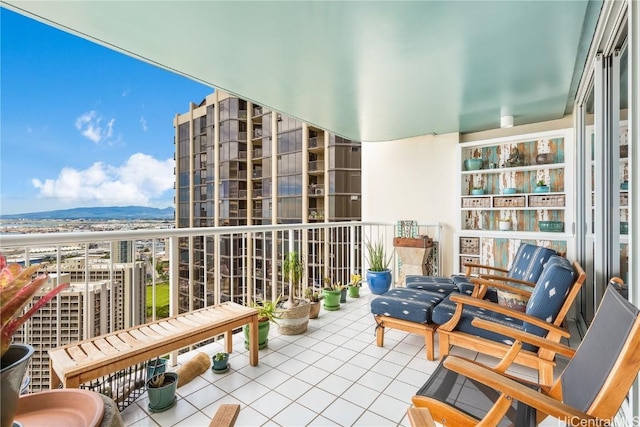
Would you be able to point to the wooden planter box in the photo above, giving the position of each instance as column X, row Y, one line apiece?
column 418, row 242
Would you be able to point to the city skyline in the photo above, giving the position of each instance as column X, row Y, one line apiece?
column 82, row 125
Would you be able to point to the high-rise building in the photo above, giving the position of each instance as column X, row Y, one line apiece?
column 122, row 251
column 239, row 163
column 112, row 299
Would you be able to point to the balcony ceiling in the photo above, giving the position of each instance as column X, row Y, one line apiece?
column 369, row 71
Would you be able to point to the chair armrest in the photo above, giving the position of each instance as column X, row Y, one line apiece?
column 524, row 336
column 420, row 417
column 503, row 283
column 507, row 279
column 462, row 300
column 470, row 265
column 519, row 391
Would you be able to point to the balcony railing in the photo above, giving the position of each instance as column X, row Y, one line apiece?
column 196, row 267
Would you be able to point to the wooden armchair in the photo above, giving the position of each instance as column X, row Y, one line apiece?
column 548, row 305
column 588, row 392
column 525, row 270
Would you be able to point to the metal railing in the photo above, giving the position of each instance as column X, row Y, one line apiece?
column 197, row 267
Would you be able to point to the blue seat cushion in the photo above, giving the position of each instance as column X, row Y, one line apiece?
column 443, row 312
column 414, row 305
column 441, row 285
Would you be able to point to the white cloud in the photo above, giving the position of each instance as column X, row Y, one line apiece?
column 142, row 180
column 143, row 122
column 94, row 127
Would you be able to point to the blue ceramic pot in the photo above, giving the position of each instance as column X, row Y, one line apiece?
column 541, row 189
column 379, row 281
column 473, row 164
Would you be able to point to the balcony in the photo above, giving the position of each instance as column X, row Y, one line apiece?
column 334, row 374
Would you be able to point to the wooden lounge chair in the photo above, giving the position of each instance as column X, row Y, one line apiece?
column 548, row 304
column 588, row 392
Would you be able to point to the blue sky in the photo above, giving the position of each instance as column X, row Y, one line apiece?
column 81, row 125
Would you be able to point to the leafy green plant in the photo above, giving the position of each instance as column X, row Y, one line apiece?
column 157, row 381
column 541, row 183
column 328, row 286
column 268, row 310
column 17, row 290
column 292, row 270
column 312, row 295
column 356, row 280
column 220, row 356
column 377, row 257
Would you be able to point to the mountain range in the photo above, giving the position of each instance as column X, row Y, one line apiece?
column 112, row 212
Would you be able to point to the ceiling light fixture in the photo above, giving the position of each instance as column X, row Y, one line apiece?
column 506, row 122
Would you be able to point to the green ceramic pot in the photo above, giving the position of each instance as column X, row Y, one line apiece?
column 263, row 335
column 354, row 291
column 331, row 300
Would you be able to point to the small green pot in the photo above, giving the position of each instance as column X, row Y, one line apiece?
column 354, row 291
column 331, row 300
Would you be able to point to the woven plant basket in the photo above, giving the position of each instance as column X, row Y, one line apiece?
column 294, row 320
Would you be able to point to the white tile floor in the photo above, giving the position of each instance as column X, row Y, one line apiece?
column 333, row 375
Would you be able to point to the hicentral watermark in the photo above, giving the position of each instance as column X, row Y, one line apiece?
column 581, row 422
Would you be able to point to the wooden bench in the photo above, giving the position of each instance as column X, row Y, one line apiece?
column 80, row 362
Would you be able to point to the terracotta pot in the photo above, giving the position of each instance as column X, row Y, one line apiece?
column 314, row 311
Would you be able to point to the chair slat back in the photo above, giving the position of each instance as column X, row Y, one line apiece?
column 600, row 374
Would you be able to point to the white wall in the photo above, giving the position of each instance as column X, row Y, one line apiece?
column 413, row 179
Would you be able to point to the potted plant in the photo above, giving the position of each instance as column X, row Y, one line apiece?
column 541, row 187
column 220, row 362
column 504, row 224
column 295, row 311
column 354, row 286
column 331, row 295
column 161, row 390
column 477, row 190
column 18, row 289
column 268, row 313
column 314, row 298
column 378, row 274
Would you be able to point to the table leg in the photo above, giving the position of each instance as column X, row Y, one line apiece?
column 253, row 341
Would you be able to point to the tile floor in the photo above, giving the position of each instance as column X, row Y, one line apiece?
column 333, row 375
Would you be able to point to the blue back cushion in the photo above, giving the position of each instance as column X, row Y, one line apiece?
column 550, row 291
column 529, row 262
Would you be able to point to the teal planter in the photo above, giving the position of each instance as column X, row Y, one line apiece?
column 263, row 335
column 541, row 189
column 14, row 365
column 379, row 281
column 343, row 296
column 163, row 397
column 331, row 300
column 220, row 365
column 155, row 367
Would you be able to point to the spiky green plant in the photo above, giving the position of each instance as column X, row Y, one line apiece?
column 268, row 310
column 377, row 258
column 17, row 288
